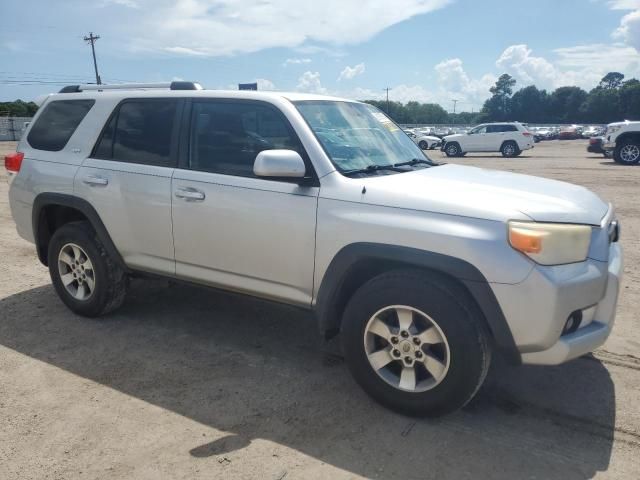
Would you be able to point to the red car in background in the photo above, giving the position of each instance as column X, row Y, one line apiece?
column 569, row 133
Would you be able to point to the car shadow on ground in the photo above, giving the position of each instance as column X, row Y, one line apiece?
column 255, row 370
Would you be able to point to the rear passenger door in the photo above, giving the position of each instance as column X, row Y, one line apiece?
column 127, row 179
column 233, row 229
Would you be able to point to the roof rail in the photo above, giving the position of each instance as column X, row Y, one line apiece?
column 179, row 85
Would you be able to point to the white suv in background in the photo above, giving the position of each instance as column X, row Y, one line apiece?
column 510, row 139
column 622, row 139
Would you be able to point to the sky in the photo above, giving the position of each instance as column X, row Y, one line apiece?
column 423, row 50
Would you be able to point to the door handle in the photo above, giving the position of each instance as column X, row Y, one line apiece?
column 190, row 194
column 93, row 180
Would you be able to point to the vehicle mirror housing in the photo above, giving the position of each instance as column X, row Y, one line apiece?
column 279, row 163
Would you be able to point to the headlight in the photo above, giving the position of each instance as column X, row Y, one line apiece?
column 550, row 243
column 613, row 129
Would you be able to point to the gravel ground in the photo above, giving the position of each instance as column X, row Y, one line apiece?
column 189, row 383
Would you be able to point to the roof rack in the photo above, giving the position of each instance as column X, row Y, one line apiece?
column 132, row 86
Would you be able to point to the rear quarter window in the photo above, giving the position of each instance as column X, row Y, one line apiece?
column 55, row 125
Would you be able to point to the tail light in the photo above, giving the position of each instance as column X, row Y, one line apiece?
column 527, row 134
column 13, row 162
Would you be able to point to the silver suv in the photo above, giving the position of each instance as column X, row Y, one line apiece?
column 423, row 270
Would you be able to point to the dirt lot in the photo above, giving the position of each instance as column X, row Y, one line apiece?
column 189, row 383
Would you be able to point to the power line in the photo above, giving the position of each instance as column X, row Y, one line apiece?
column 92, row 40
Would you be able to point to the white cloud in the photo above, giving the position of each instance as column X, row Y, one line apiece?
column 310, row 82
column 264, row 84
column 517, row 60
column 350, row 72
column 124, row 3
column 227, row 27
column 623, row 4
column 454, row 83
column 296, row 61
column 581, row 65
column 629, row 29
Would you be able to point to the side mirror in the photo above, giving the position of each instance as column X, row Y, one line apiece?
column 279, row 163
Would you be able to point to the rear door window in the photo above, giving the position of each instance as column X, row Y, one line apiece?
column 56, row 124
column 141, row 131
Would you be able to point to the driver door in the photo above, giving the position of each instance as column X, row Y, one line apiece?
column 476, row 140
column 232, row 229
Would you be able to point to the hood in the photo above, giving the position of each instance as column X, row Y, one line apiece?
column 487, row 194
column 455, row 136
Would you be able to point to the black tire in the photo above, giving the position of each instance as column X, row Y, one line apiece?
column 110, row 280
column 423, row 145
column 453, row 149
column 627, row 153
column 454, row 313
column 510, row 149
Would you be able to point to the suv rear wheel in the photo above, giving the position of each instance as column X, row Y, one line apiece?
column 627, row 153
column 414, row 343
column 510, row 149
column 86, row 279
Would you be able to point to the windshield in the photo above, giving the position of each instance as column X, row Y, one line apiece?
column 358, row 136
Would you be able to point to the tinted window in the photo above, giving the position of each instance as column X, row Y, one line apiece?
column 140, row 131
column 510, row 128
column 56, row 124
column 226, row 137
column 476, row 130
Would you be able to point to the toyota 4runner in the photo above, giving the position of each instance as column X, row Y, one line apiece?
column 424, row 270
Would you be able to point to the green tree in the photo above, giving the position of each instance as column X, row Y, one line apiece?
column 498, row 106
column 530, row 105
column 629, row 100
column 565, row 105
column 18, row 108
column 611, row 81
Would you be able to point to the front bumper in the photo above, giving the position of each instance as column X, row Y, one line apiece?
column 608, row 144
column 537, row 308
column 596, row 332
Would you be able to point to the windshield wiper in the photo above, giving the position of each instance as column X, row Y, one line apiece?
column 415, row 161
column 371, row 169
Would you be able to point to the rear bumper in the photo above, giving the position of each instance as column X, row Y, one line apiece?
column 538, row 308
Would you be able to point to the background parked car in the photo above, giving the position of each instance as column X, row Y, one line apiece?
column 593, row 131
column 425, row 142
column 568, row 133
column 595, row 146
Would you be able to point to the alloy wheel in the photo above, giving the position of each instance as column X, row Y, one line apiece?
column 406, row 348
column 630, row 153
column 509, row 149
column 76, row 272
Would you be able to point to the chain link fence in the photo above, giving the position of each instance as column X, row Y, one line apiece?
column 12, row 128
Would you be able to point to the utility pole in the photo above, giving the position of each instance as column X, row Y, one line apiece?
column 92, row 40
column 454, row 105
column 387, row 90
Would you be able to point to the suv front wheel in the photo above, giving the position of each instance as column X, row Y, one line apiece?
column 453, row 150
column 415, row 343
column 627, row 153
column 85, row 277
